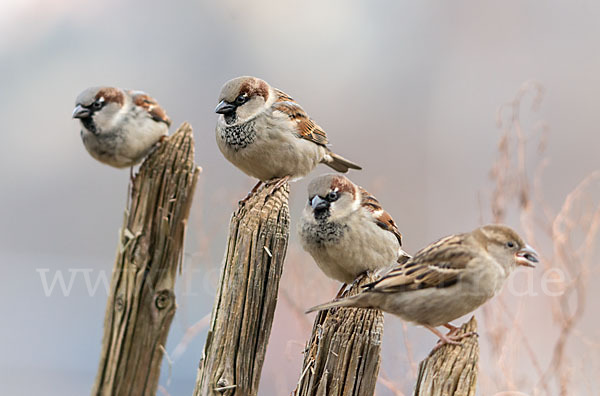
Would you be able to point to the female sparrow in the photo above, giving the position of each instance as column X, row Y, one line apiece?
column 267, row 135
column 346, row 231
column 120, row 127
column 447, row 279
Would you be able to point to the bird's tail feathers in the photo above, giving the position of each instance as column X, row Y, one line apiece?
column 358, row 301
column 339, row 163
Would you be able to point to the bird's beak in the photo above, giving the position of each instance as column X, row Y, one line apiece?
column 224, row 107
column 319, row 203
column 527, row 257
column 81, row 112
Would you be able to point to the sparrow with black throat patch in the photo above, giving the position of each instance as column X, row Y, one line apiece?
column 120, row 127
column 447, row 279
column 346, row 231
column 267, row 135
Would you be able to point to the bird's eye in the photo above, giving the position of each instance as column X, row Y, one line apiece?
column 332, row 196
column 510, row 244
column 97, row 105
column 241, row 99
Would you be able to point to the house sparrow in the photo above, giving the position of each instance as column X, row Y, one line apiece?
column 120, row 127
column 346, row 230
column 267, row 135
column 447, row 279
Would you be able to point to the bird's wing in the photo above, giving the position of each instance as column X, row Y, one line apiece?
column 152, row 107
column 305, row 127
column 438, row 265
column 382, row 218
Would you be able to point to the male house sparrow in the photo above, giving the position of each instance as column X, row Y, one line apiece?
column 346, row 231
column 120, row 127
column 267, row 135
column 447, row 279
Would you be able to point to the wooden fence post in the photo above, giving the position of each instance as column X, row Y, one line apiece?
column 245, row 302
column 452, row 369
column 343, row 354
column 141, row 303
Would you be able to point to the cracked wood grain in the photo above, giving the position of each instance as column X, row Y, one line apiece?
column 452, row 369
column 342, row 357
column 242, row 315
column 141, row 303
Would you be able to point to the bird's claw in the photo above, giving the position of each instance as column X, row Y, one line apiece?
column 277, row 184
column 452, row 339
column 251, row 193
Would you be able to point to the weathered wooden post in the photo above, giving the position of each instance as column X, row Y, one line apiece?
column 141, row 304
column 245, row 302
column 451, row 369
column 343, row 354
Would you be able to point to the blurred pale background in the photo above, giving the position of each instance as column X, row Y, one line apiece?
column 407, row 89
